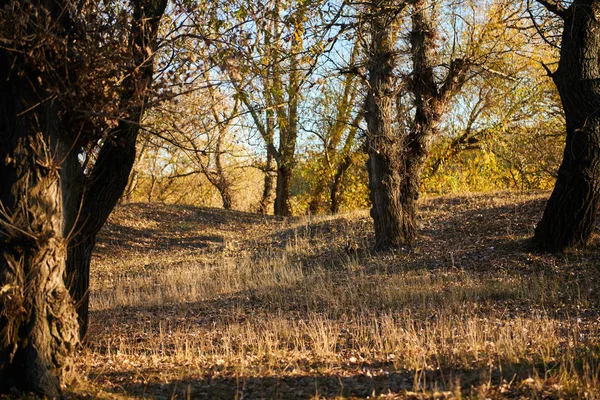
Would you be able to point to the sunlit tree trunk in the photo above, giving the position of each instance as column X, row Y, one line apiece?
column 396, row 159
column 267, row 195
column 384, row 146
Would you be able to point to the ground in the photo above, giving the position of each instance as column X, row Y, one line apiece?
column 205, row 303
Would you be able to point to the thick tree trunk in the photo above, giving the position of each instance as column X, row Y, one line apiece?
column 396, row 161
column 570, row 214
column 38, row 326
column 386, row 208
column 384, row 146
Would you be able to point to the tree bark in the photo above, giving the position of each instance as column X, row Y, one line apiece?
column 395, row 160
column 384, row 147
column 110, row 175
column 570, row 213
column 282, row 191
column 38, row 325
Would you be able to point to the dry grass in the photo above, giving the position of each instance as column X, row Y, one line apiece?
column 203, row 303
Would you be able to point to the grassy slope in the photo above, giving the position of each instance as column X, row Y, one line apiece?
column 213, row 304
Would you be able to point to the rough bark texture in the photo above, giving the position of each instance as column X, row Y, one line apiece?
column 384, row 146
column 110, row 174
column 396, row 160
column 570, row 214
column 38, row 326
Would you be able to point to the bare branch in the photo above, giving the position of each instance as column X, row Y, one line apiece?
column 537, row 27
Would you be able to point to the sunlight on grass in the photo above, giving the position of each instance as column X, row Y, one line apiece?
column 291, row 303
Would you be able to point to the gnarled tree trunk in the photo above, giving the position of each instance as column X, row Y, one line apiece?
column 38, row 325
column 396, row 159
column 568, row 220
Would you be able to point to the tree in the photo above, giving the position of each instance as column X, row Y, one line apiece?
column 382, row 143
column 281, row 95
column 570, row 213
column 198, row 134
column 505, row 127
column 396, row 159
column 38, row 325
column 336, row 126
column 96, row 191
column 269, row 51
column 60, row 83
column 412, row 86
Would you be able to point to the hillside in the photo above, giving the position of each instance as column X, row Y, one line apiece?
column 204, row 303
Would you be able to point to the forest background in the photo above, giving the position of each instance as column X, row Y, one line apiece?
column 208, row 142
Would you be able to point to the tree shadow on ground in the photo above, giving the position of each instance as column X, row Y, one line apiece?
column 156, row 227
column 487, row 240
column 451, row 236
column 366, row 381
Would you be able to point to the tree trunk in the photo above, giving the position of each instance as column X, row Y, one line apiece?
column 110, row 174
column 267, row 196
column 384, row 147
column 288, row 123
column 570, row 214
column 225, row 192
column 224, row 184
column 38, row 325
column 107, row 182
column 396, row 161
column 284, row 179
column 335, row 190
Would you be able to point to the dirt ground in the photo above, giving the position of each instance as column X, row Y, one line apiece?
column 205, row 303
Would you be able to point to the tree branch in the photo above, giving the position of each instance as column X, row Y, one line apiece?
column 455, row 79
column 555, row 8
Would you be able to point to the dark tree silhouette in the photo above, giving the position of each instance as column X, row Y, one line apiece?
column 51, row 68
column 570, row 213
